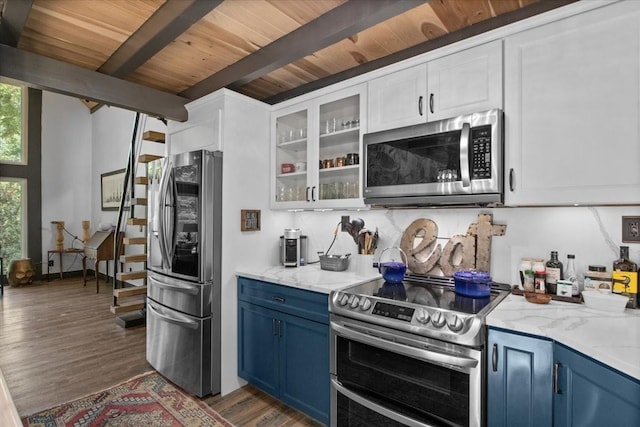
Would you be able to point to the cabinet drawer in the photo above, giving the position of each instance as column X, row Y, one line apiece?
column 298, row 302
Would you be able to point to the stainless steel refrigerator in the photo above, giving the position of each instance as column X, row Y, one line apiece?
column 183, row 283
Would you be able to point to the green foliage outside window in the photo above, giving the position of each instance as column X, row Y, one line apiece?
column 11, row 190
column 10, row 220
column 10, row 123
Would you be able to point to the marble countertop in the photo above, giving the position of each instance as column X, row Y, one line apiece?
column 309, row 277
column 611, row 338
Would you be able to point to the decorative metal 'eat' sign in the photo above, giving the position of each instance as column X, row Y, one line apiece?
column 474, row 248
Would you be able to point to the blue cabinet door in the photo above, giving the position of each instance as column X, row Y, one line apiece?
column 591, row 394
column 258, row 347
column 519, row 380
column 304, row 383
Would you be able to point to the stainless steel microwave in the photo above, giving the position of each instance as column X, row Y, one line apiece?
column 457, row 161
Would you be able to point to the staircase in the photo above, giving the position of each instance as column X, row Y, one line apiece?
column 129, row 299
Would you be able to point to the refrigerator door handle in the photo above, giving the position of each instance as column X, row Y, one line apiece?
column 175, row 318
column 162, row 201
column 171, row 206
column 183, row 287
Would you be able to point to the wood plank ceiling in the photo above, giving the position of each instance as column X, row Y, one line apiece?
column 269, row 50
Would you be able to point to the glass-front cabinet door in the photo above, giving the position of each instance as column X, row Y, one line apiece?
column 291, row 158
column 317, row 152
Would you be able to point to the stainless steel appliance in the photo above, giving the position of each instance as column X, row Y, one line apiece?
column 293, row 248
column 183, row 283
column 458, row 161
column 408, row 354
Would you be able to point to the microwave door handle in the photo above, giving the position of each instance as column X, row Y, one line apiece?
column 464, row 155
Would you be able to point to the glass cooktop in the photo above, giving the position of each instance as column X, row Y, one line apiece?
column 428, row 291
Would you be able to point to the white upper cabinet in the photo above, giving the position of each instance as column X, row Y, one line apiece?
column 572, row 110
column 398, row 99
column 465, row 82
column 316, row 152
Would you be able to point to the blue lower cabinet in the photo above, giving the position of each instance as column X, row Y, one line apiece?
column 258, row 347
column 281, row 353
column 591, row 394
column 304, row 366
column 519, row 380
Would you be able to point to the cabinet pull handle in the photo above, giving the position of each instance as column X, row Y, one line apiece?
column 431, row 103
column 273, row 327
column 278, row 299
column 511, row 179
column 556, row 368
column 313, row 193
column 308, row 194
column 494, row 358
column 420, row 105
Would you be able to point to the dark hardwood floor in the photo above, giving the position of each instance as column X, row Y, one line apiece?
column 60, row 342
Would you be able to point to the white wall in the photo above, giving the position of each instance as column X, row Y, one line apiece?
column 593, row 234
column 66, row 167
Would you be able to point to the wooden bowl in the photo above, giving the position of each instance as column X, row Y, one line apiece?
column 537, row 298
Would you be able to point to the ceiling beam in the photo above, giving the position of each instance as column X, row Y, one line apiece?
column 44, row 73
column 170, row 20
column 464, row 33
column 13, row 17
column 329, row 28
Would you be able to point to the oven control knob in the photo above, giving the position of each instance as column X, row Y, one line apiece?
column 343, row 299
column 365, row 304
column 438, row 320
column 454, row 323
column 422, row 316
column 354, row 302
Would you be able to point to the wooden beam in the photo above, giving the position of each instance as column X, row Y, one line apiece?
column 13, row 17
column 170, row 20
column 56, row 76
column 335, row 25
column 467, row 32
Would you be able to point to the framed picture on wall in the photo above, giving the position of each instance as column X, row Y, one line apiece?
column 111, row 186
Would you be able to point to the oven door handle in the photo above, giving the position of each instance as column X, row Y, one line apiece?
column 436, row 357
column 395, row 416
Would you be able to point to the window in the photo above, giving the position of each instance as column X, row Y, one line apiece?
column 13, row 226
column 13, row 198
column 12, row 126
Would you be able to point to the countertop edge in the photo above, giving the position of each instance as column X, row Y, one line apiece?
column 309, row 277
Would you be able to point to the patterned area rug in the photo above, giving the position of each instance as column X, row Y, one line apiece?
column 147, row 400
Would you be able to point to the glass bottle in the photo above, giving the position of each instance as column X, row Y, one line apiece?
column 553, row 273
column 623, row 264
column 572, row 275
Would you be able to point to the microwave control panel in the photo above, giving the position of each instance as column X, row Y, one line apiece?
column 481, row 152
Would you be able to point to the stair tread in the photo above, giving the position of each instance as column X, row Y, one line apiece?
column 146, row 158
column 127, row 306
column 134, row 240
column 140, row 201
column 133, row 258
column 129, row 292
column 137, row 221
column 154, row 136
column 132, row 275
column 141, row 180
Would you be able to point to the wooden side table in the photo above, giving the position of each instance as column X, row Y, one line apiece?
column 100, row 248
column 61, row 252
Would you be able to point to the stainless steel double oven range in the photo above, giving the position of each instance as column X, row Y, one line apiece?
column 408, row 354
